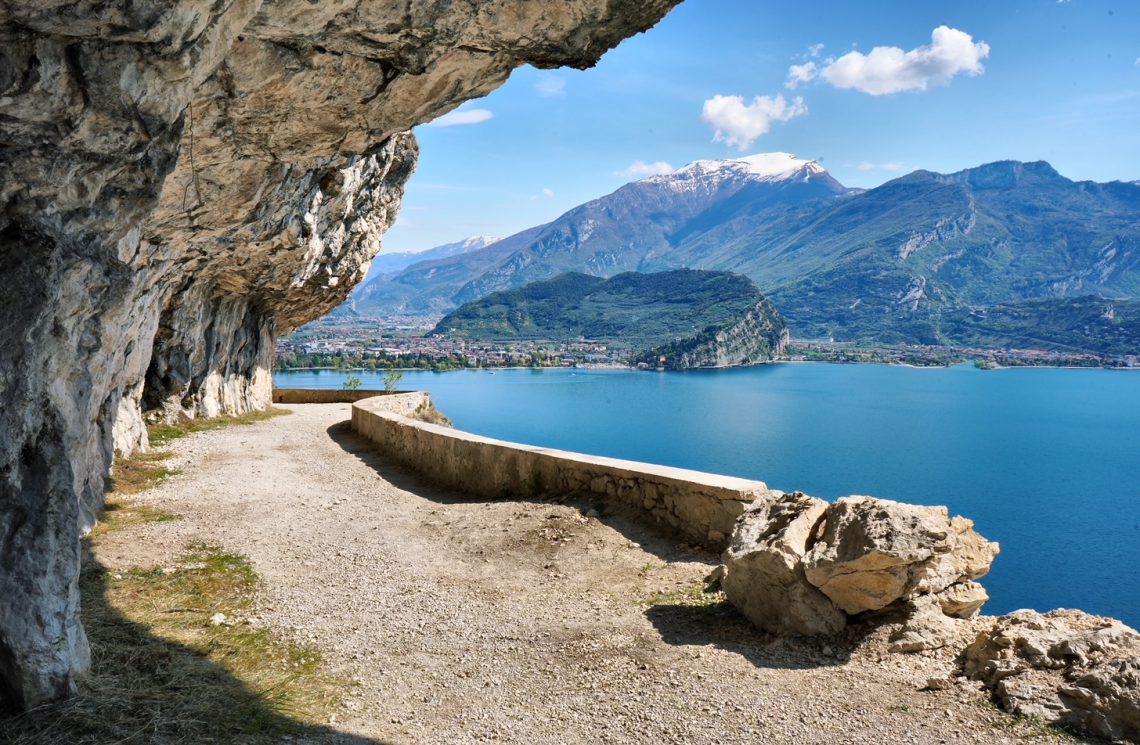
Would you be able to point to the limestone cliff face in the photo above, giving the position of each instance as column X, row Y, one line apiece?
column 179, row 183
column 758, row 336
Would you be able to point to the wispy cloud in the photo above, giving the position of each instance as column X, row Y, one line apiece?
column 551, row 87
column 868, row 166
column 641, row 169
column 815, row 50
column 887, row 70
column 739, row 125
column 548, row 192
column 462, row 116
column 800, row 74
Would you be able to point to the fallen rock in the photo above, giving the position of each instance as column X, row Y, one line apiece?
column 1106, row 700
column 764, row 576
column 962, row 599
column 1066, row 667
column 926, row 627
column 874, row 552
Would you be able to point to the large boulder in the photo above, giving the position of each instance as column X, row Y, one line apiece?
column 764, row 576
column 1065, row 667
column 871, row 553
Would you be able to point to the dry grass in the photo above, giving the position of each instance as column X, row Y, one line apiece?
column 119, row 513
column 426, row 412
column 164, row 671
column 139, row 472
column 162, row 433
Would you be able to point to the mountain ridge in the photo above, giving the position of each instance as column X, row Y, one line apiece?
column 903, row 262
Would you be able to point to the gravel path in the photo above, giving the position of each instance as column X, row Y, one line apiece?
column 522, row 622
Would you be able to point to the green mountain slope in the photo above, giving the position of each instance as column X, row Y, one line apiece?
column 694, row 318
column 888, row 264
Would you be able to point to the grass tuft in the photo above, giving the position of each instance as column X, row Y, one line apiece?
column 139, row 472
column 426, row 412
column 163, row 433
column 693, row 596
column 119, row 513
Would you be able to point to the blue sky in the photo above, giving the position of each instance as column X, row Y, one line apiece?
column 1028, row 80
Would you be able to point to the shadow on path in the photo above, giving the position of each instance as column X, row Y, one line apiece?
column 655, row 538
column 679, row 624
column 143, row 688
column 722, row 626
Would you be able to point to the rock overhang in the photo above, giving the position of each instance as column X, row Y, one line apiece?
column 179, row 183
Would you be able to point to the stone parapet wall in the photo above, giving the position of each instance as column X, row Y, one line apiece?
column 701, row 506
column 322, row 396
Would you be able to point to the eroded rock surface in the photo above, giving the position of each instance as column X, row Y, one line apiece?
column 1066, row 667
column 764, row 574
column 874, row 552
column 797, row 565
column 179, row 183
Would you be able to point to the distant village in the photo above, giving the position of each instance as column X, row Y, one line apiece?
column 406, row 346
column 404, row 343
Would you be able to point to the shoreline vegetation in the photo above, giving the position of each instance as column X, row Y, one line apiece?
column 357, row 360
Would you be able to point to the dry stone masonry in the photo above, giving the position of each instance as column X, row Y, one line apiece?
column 701, row 506
column 180, row 182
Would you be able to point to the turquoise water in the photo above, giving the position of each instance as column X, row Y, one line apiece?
column 1045, row 461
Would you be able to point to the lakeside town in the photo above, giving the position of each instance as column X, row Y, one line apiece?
column 405, row 343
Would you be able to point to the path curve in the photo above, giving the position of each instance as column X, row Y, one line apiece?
column 522, row 622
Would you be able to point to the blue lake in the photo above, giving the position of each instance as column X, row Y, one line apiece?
column 1045, row 461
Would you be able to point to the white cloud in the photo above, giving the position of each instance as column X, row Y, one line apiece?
column 799, row 74
column 1137, row 63
column 889, row 70
column 641, row 169
column 548, row 192
column 463, row 116
column 551, row 87
column 815, row 50
column 866, row 166
column 739, row 125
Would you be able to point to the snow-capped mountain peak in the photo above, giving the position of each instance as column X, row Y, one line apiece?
column 476, row 241
column 768, row 167
column 778, row 165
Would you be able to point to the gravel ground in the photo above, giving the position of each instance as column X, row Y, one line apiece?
column 523, row 621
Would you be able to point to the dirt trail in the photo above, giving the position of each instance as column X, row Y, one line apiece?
column 522, row 622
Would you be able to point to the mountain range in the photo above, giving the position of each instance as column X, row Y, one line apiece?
column 925, row 258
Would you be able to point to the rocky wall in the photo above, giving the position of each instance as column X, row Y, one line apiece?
column 701, row 506
column 180, row 182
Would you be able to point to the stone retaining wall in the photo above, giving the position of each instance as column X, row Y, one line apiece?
column 702, row 506
column 322, row 396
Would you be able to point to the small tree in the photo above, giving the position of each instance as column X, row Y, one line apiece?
column 351, row 383
column 392, row 378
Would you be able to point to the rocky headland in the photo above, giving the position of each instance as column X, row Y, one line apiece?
column 677, row 319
